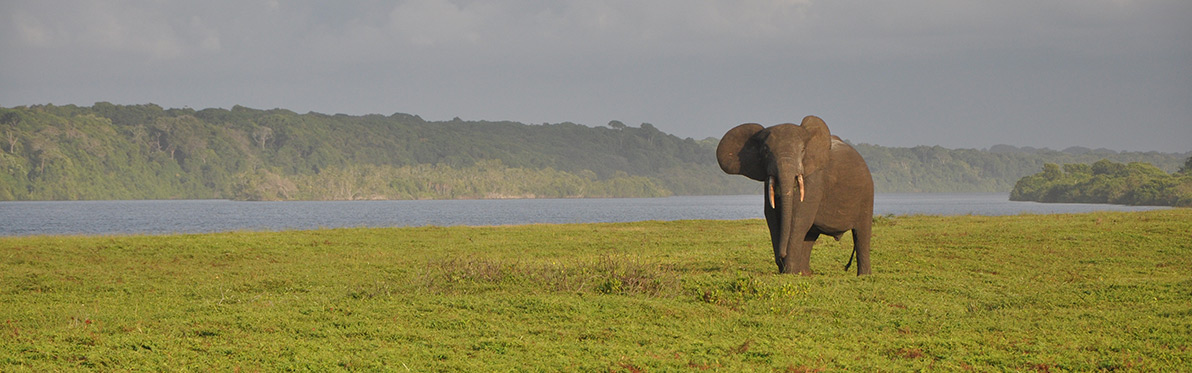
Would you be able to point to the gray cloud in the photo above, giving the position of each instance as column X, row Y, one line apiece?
column 1099, row 73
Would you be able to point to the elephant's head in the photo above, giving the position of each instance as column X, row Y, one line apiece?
column 787, row 158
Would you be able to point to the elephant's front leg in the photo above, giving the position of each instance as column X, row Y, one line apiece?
column 798, row 258
column 802, row 236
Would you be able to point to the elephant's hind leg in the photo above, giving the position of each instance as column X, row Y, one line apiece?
column 861, row 235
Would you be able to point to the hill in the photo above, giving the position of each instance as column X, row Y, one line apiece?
column 111, row 151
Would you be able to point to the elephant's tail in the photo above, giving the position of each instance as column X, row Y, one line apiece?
column 850, row 258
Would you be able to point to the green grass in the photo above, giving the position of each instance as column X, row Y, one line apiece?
column 1102, row 291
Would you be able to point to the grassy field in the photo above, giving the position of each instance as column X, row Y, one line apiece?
column 1102, row 291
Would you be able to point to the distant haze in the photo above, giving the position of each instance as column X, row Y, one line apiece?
column 1111, row 74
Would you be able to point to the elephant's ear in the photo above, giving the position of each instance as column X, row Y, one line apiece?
column 819, row 141
column 739, row 152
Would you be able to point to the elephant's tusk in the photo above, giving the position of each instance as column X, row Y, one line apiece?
column 770, row 186
column 800, row 179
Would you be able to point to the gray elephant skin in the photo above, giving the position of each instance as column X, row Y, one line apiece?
column 815, row 184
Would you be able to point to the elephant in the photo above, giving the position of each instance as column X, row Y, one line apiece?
column 815, row 184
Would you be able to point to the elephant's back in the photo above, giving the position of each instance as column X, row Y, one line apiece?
column 852, row 185
column 848, row 162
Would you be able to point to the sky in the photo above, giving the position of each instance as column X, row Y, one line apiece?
column 1113, row 74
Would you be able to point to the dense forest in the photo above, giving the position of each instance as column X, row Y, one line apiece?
column 1107, row 182
column 108, row 151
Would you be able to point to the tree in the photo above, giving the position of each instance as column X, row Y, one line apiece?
column 1078, row 168
column 45, row 150
column 1052, row 172
column 262, row 135
column 1108, row 167
column 11, row 135
column 10, row 120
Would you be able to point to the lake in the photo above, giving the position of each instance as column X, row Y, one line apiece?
column 196, row 216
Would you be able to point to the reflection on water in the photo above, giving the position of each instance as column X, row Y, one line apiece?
column 108, row 217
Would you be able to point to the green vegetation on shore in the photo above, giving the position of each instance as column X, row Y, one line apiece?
column 1106, row 181
column 108, row 151
column 145, row 152
column 1100, row 291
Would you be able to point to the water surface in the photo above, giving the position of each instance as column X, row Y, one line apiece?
column 193, row 216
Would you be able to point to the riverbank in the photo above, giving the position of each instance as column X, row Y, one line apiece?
column 1074, row 292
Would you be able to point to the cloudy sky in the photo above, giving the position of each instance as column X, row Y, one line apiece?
column 959, row 73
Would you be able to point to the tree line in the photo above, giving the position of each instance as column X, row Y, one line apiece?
column 1106, row 181
column 107, row 151
column 934, row 169
column 111, row 151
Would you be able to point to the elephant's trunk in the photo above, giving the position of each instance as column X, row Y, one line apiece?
column 786, row 186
